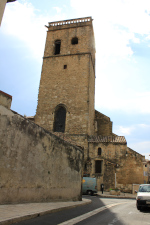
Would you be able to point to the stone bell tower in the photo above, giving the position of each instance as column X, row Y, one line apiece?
column 67, row 86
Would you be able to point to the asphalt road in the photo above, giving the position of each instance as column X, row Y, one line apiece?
column 99, row 212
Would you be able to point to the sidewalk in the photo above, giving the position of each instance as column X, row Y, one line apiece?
column 15, row 213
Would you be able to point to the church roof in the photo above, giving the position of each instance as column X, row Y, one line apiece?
column 111, row 139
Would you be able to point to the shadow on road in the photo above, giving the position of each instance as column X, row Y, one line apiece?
column 68, row 214
column 104, row 217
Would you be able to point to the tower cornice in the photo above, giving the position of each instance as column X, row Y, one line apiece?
column 63, row 24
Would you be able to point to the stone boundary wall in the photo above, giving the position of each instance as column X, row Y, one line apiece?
column 5, row 99
column 35, row 165
column 135, row 188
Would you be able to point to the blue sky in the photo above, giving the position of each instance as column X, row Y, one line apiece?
column 122, row 37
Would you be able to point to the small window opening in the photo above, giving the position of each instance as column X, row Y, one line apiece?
column 85, row 166
column 98, row 166
column 74, row 41
column 57, row 47
column 99, row 151
column 65, row 66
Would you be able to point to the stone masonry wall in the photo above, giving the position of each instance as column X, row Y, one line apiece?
column 73, row 85
column 5, row 99
column 35, row 165
column 67, row 87
column 104, row 125
column 117, row 158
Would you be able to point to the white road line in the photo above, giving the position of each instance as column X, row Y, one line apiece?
column 89, row 214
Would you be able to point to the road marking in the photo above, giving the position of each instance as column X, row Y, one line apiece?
column 114, row 221
column 89, row 214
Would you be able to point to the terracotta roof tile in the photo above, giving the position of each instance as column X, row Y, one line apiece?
column 101, row 139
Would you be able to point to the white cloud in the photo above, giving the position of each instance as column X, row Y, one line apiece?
column 144, row 126
column 135, row 133
column 22, row 21
column 142, row 147
column 57, row 9
column 115, row 23
column 123, row 131
column 130, row 102
column 132, row 14
column 142, row 102
column 128, row 130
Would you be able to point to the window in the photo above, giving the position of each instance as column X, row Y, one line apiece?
column 65, row 66
column 74, row 41
column 98, row 166
column 57, row 47
column 60, row 119
column 99, row 151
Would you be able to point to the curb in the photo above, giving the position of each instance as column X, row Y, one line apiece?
column 37, row 214
column 117, row 196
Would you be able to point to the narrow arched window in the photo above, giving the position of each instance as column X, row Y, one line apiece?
column 57, row 47
column 99, row 151
column 60, row 119
column 74, row 41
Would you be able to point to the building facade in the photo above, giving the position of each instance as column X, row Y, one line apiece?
column 66, row 105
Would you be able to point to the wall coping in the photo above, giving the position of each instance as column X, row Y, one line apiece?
column 71, row 21
column 5, row 94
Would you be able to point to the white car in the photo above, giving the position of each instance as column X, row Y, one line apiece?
column 143, row 196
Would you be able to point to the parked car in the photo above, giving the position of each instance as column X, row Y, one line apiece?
column 143, row 196
column 89, row 185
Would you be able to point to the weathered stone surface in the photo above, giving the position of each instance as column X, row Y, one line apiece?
column 68, row 79
column 35, row 165
column 72, row 87
column 113, row 192
column 116, row 158
column 104, row 125
column 5, row 99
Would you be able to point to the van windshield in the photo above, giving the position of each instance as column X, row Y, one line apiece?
column 145, row 188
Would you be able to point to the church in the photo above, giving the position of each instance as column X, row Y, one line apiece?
column 66, row 106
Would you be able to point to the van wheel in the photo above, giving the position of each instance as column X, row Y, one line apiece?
column 90, row 192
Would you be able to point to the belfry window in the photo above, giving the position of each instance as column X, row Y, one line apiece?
column 74, row 41
column 60, row 119
column 57, row 47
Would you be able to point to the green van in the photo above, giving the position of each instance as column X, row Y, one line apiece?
column 89, row 185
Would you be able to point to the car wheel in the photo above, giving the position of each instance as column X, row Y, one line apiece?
column 138, row 207
column 89, row 192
